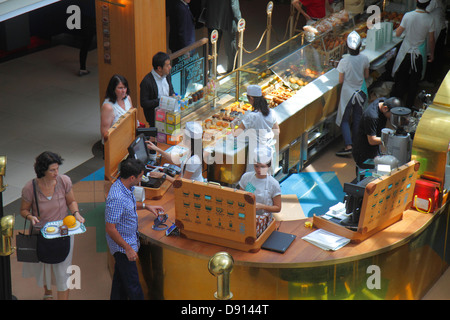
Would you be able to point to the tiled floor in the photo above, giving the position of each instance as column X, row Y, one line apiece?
column 45, row 106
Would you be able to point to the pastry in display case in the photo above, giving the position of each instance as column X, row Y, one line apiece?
column 395, row 17
column 221, row 123
column 287, row 75
column 302, row 66
column 326, row 24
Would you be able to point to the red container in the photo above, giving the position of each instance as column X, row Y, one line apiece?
column 426, row 196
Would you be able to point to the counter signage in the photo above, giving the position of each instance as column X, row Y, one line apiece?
column 188, row 73
column 214, row 36
column 241, row 25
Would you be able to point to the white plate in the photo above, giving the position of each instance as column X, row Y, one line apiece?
column 77, row 225
column 53, row 232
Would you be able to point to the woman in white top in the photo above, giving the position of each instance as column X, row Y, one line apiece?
column 261, row 122
column 192, row 165
column 117, row 103
column 262, row 184
column 353, row 69
column 418, row 27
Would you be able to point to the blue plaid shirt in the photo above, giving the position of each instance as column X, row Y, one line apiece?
column 121, row 211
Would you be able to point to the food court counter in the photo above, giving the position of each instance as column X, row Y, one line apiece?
column 303, row 110
column 410, row 255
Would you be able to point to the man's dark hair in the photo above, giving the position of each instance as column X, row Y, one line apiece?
column 131, row 167
column 354, row 52
column 44, row 160
column 422, row 6
column 392, row 102
column 160, row 59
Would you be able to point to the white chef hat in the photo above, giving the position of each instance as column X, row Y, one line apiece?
column 193, row 130
column 353, row 40
column 254, row 90
column 262, row 154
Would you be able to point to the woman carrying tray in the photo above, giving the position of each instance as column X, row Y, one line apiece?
column 54, row 195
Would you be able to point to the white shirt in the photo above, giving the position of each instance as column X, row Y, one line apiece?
column 264, row 189
column 162, row 84
column 261, row 124
column 417, row 25
column 194, row 165
column 117, row 109
column 353, row 69
column 436, row 9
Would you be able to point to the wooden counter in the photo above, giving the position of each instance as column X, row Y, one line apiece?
column 280, row 275
column 300, row 254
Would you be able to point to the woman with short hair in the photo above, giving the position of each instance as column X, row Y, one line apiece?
column 54, row 195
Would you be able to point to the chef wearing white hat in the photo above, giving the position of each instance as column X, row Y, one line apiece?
column 260, row 123
column 191, row 162
column 261, row 183
column 411, row 59
column 353, row 70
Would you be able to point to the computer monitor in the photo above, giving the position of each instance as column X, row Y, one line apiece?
column 139, row 150
column 147, row 132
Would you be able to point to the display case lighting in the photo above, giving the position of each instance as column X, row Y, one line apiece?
column 114, row 3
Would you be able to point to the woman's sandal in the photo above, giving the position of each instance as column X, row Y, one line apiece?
column 48, row 297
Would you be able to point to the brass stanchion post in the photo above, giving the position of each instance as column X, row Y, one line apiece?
column 6, row 233
column 240, row 28
column 214, row 38
column 221, row 265
column 269, row 24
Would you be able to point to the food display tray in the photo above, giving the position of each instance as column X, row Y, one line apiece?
column 80, row 228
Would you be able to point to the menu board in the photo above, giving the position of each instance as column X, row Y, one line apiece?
column 189, row 72
column 217, row 211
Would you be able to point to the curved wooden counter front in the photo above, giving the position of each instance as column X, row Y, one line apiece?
column 410, row 256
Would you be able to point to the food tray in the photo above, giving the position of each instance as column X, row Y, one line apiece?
column 78, row 229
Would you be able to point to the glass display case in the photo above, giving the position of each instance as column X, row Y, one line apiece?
column 299, row 80
column 291, row 66
column 282, row 72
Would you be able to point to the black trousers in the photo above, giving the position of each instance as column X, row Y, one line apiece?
column 406, row 81
column 230, row 43
column 434, row 70
column 87, row 35
column 125, row 285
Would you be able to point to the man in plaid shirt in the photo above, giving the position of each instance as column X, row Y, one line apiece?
column 121, row 224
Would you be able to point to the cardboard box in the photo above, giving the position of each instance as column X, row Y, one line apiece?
column 161, row 137
column 173, row 117
column 171, row 128
column 160, row 126
column 173, row 139
column 160, row 115
column 169, row 103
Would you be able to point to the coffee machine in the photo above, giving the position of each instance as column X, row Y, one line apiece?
column 353, row 199
column 398, row 142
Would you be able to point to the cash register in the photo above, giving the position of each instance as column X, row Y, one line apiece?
column 138, row 150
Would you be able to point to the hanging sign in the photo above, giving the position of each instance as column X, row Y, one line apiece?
column 106, row 34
